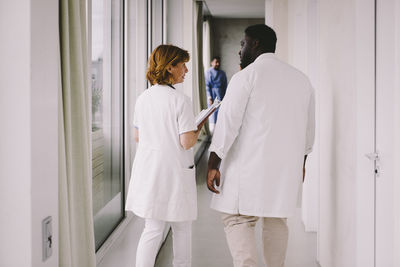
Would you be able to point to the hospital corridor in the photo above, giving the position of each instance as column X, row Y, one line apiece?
column 200, row 133
column 209, row 244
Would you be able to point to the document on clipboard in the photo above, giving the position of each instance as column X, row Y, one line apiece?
column 206, row 112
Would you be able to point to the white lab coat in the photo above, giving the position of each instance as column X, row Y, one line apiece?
column 265, row 127
column 163, row 184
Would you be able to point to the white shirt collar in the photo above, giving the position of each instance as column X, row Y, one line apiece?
column 265, row 55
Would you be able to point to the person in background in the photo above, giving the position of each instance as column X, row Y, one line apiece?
column 162, row 188
column 264, row 132
column 216, row 84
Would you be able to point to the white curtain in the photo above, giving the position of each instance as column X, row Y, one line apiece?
column 76, row 233
column 194, row 57
column 199, row 90
column 206, row 44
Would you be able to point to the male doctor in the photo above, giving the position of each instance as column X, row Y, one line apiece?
column 216, row 83
column 264, row 132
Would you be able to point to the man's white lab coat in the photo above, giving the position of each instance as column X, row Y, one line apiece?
column 264, row 129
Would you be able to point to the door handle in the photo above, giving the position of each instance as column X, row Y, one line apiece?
column 372, row 156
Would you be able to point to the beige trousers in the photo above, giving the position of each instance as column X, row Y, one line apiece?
column 239, row 230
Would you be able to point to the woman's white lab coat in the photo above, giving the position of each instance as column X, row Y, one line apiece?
column 265, row 127
column 163, row 184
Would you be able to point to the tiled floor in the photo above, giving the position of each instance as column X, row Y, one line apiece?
column 209, row 245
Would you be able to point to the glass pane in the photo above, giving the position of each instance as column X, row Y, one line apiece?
column 107, row 117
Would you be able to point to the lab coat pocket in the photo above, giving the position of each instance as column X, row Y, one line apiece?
column 188, row 177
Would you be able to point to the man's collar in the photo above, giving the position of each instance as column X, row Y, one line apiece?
column 265, row 55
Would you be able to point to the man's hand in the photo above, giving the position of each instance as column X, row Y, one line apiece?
column 210, row 101
column 213, row 175
column 213, row 172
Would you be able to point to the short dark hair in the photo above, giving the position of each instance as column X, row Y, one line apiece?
column 264, row 34
column 217, row 58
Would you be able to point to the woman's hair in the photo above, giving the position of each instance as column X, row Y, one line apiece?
column 160, row 60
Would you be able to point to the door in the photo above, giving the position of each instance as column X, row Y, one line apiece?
column 387, row 82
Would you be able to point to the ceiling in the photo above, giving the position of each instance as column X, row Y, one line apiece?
column 236, row 8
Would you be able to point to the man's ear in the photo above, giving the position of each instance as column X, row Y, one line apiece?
column 256, row 43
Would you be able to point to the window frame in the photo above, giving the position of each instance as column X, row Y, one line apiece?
column 121, row 110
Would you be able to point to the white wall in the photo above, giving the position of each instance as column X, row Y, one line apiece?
column 276, row 16
column 310, row 211
column 396, row 204
column 346, row 132
column 365, row 73
column 337, row 55
column 296, row 26
column 302, row 53
column 44, row 123
column 180, row 31
column 338, row 130
column 29, row 138
column 388, row 75
column 15, row 143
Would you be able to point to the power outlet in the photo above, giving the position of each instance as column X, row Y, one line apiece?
column 47, row 233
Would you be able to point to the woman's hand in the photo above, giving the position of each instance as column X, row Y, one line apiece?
column 201, row 125
column 136, row 134
column 189, row 139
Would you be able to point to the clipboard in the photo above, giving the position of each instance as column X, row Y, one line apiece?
column 207, row 112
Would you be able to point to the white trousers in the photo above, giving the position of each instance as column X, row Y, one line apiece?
column 150, row 241
column 239, row 230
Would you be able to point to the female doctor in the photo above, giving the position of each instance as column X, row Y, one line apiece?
column 163, row 187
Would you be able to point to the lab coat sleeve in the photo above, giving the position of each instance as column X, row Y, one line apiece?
column 310, row 135
column 136, row 114
column 230, row 116
column 224, row 84
column 186, row 120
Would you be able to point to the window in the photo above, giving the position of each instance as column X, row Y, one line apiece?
column 155, row 20
column 106, row 34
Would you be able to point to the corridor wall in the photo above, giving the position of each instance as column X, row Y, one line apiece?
column 180, row 32
column 297, row 44
column 28, row 136
column 338, row 134
column 396, row 185
column 332, row 42
column 276, row 16
column 183, row 30
column 387, row 205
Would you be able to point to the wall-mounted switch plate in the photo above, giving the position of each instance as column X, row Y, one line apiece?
column 47, row 233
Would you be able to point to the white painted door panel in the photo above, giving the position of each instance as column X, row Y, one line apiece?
column 386, row 74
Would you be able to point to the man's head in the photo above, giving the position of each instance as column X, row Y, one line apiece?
column 215, row 63
column 258, row 39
